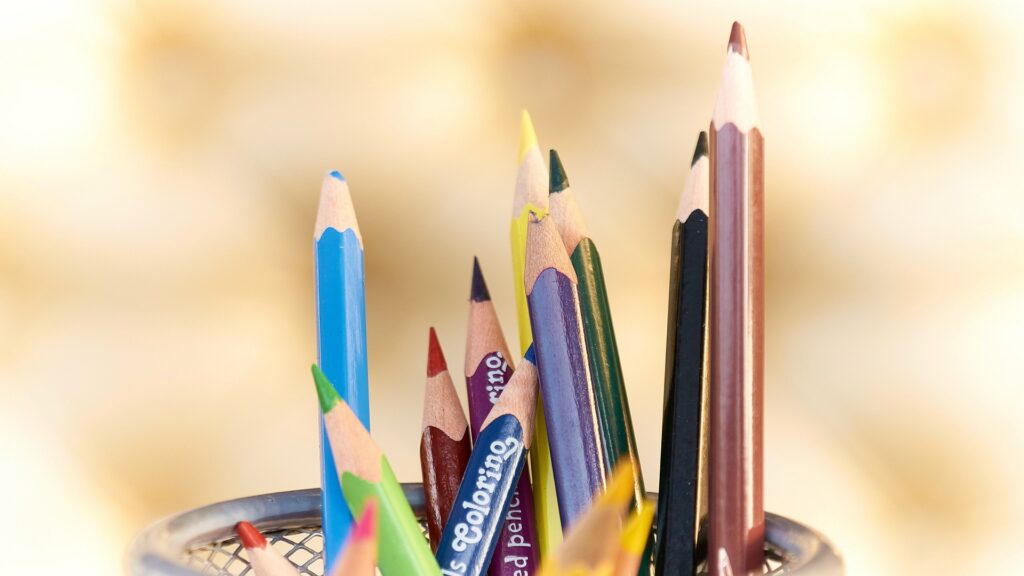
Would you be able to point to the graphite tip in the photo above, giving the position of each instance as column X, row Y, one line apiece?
column 702, row 148
column 435, row 356
column 558, row 181
column 478, row 290
column 738, row 40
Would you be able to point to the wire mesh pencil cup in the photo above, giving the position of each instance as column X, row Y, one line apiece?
column 202, row 541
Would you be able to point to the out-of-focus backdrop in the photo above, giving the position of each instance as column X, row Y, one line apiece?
column 159, row 170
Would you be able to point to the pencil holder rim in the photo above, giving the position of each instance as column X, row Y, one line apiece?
column 158, row 549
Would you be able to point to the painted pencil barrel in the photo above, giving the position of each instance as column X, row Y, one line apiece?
column 402, row 550
column 576, row 452
column 516, row 549
column 737, row 346
column 341, row 343
column 444, row 463
column 473, row 528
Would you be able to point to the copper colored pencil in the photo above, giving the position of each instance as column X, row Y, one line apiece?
column 444, row 445
column 736, row 515
column 577, row 456
column 488, row 370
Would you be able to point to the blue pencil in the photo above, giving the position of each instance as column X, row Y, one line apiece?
column 498, row 457
column 341, row 338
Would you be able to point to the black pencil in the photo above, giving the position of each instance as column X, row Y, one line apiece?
column 682, row 497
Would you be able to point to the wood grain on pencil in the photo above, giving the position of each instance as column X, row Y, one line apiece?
column 736, row 514
column 444, row 443
column 359, row 557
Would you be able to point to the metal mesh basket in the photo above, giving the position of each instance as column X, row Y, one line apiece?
column 202, row 541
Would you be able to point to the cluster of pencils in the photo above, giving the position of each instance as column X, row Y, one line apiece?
column 563, row 402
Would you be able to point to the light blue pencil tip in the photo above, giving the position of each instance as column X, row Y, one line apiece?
column 336, row 174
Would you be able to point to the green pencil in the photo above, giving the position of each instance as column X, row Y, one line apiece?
column 365, row 473
column 614, row 421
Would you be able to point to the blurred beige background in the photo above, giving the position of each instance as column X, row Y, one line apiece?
column 159, row 170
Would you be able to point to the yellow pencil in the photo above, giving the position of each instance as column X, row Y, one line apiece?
column 634, row 540
column 531, row 197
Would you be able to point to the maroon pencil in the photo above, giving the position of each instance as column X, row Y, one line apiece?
column 488, row 370
column 444, row 446
column 735, row 509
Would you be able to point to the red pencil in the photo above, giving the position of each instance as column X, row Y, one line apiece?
column 735, row 509
column 265, row 561
column 444, row 446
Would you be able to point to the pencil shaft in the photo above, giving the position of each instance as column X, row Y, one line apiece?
column 549, row 529
column 682, row 496
column 484, row 496
column 614, row 418
column 737, row 346
column 341, row 346
column 443, row 461
column 576, row 451
column 402, row 548
column 516, row 549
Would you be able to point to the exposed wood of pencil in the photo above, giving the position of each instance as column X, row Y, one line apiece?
column 359, row 557
column 264, row 559
column 335, row 209
column 518, row 400
column 614, row 418
column 355, row 451
column 531, row 199
column 736, row 515
column 682, row 496
column 488, row 374
column 566, row 390
column 591, row 545
column 634, row 542
column 444, row 444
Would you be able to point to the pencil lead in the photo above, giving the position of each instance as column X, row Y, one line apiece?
column 366, row 525
column 637, row 529
column 558, row 181
column 250, row 536
column 531, row 355
column 702, row 148
column 435, row 356
column 527, row 137
column 325, row 391
column 337, row 175
column 738, row 40
column 478, row 292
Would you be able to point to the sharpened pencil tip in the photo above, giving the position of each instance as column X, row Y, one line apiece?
column 620, row 485
column 366, row 525
column 702, row 148
column 738, row 40
column 478, row 290
column 527, row 137
column 250, row 536
column 325, row 391
column 337, row 175
column 435, row 356
column 558, row 181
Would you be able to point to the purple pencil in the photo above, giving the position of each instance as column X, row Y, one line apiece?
column 566, row 388
column 488, row 370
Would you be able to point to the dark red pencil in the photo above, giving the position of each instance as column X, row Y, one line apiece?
column 444, row 446
column 735, row 508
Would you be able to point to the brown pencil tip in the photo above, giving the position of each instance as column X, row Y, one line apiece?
column 435, row 357
column 738, row 40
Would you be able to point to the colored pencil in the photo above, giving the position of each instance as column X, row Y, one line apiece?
column 359, row 557
column 494, row 469
column 592, row 544
column 341, row 335
column 487, row 374
column 613, row 417
column 566, row 392
column 735, row 511
column 633, row 546
column 444, row 444
column 366, row 473
column 531, row 199
column 265, row 561
column 683, row 492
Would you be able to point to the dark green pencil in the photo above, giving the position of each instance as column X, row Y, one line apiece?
column 614, row 421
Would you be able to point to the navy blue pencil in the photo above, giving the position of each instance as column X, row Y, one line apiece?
column 498, row 457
